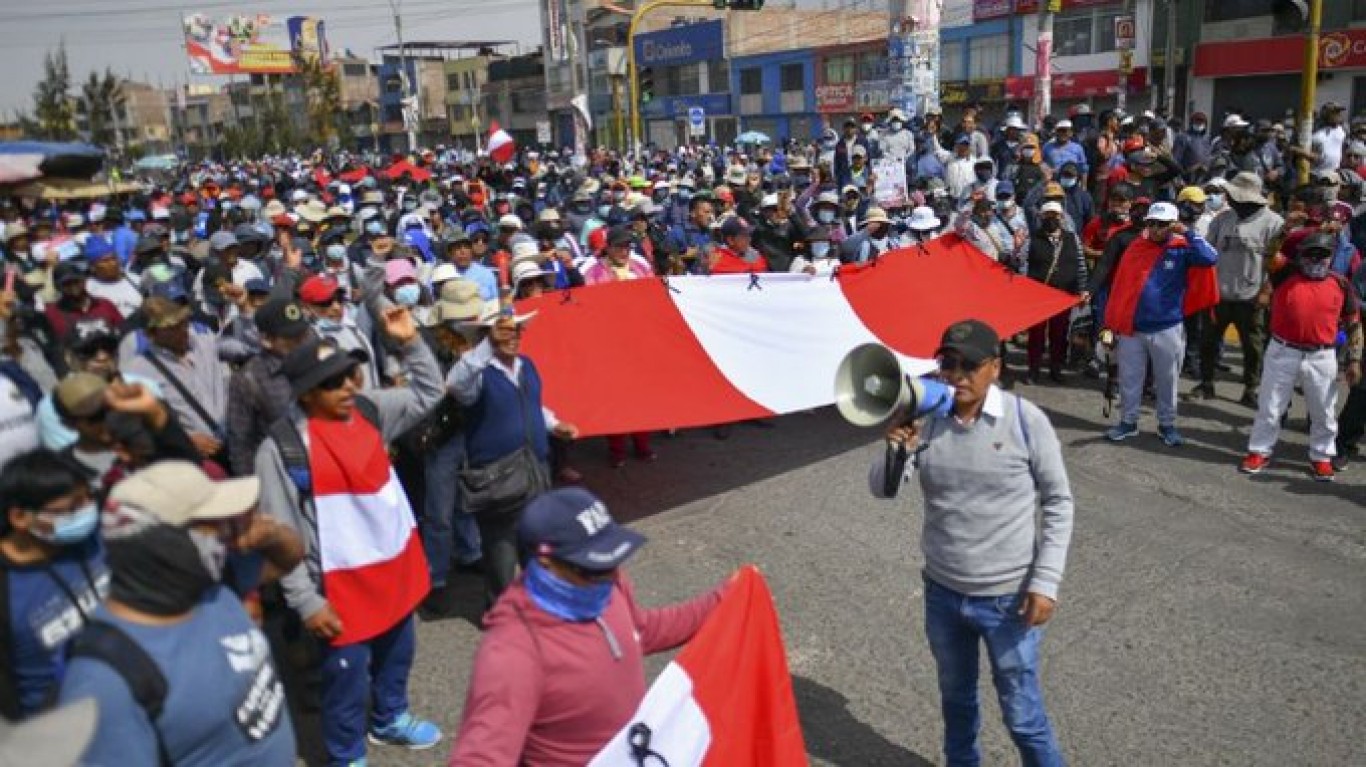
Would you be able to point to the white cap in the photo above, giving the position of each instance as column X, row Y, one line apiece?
column 1235, row 121
column 444, row 273
column 1161, row 211
column 1051, row 207
column 1063, row 125
column 923, row 219
column 510, row 222
column 1015, row 122
column 769, row 201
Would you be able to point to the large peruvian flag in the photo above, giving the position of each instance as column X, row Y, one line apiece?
column 697, row 351
column 726, row 700
column 374, row 569
column 500, row 144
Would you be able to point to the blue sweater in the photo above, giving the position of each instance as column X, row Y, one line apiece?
column 498, row 421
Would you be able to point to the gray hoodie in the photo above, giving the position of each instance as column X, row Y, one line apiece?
column 398, row 409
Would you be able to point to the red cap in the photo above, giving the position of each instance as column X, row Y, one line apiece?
column 597, row 239
column 1133, row 144
column 318, row 289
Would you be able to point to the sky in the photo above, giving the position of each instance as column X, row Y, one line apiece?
column 141, row 39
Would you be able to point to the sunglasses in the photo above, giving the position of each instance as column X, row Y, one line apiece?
column 337, row 381
column 956, row 364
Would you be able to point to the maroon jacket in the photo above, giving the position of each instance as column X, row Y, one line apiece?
column 552, row 693
column 63, row 317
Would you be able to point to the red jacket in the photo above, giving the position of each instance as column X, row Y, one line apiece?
column 62, row 319
column 727, row 262
column 552, row 693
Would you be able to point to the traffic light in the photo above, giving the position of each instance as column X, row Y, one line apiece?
column 647, row 85
column 1291, row 15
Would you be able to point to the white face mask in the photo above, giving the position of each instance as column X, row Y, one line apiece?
column 820, row 249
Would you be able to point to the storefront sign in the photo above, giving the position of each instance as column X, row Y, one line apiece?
column 835, row 98
column 1343, row 49
column 713, row 104
column 991, row 9
column 961, row 93
column 1076, row 85
column 1032, row 6
column 687, row 44
column 1124, row 33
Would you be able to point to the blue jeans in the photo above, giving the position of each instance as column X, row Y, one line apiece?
column 956, row 625
column 372, row 673
column 445, row 523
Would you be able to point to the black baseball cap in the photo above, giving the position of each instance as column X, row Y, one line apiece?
column 572, row 525
column 316, row 361
column 975, row 340
column 88, row 335
column 281, row 318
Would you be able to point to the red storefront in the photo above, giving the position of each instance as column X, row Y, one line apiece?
column 1262, row 76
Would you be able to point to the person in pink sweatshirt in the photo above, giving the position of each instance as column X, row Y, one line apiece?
column 560, row 669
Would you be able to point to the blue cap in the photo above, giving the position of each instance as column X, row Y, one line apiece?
column 136, row 215
column 1005, row 187
column 962, row 139
column 257, row 286
column 96, row 248
column 170, row 290
column 572, row 525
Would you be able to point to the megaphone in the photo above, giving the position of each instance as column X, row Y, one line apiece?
column 870, row 386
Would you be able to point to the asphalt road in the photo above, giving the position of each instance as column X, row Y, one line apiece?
column 1207, row 618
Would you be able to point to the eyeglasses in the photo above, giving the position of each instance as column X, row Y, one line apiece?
column 956, row 364
column 337, row 381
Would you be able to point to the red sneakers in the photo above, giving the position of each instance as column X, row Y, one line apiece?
column 1321, row 471
column 1254, row 463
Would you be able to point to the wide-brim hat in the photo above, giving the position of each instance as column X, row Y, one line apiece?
column 1245, row 187
column 923, row 219
column 312, row 211
column 876, row 216
column 492, row 313
column 459, row 302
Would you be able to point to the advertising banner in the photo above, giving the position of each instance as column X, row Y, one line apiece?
column 681, row 45
column 250, row 44
column 889, row 184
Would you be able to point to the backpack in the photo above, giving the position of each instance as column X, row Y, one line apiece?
column 110, row 645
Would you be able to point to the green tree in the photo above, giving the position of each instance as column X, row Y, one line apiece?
column 322, row 89
column 52, row 108
column 101, row 103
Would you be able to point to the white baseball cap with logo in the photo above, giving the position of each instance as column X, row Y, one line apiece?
column 1162, row 211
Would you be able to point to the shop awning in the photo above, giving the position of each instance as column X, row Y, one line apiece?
column 1344, row 49
column 1076, row 85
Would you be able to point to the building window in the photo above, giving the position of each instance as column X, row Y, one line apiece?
column 689, row 80
column 1231, row 10
column 751, row 81
column 1085, row 31
column 793, row 77
column 453, row 82
column 951, row 62
column 1358, row 10
column 354, row 70
column 872, row 66
column 718, row 76
column 988, row 58
column 839, row 70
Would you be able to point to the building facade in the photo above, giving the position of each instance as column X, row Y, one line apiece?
column 515, row 96
column 682, row 68
column 776, row 94
column 1252, row 58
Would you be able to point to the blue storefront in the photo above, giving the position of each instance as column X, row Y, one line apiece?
column 680, row 68
column 777, row 94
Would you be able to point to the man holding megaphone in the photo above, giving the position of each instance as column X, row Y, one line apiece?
column 987, row 461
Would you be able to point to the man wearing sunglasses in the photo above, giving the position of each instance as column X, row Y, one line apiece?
column 992, row 572
column 560, row 669
column 1163, row 276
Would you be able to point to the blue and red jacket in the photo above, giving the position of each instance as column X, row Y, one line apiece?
column 1156, row 286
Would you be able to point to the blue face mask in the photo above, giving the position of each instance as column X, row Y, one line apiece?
column 326, row 325
column 825, row 216
column 819, row 249
column 72, row 528
column 563, row 599
column 408, row 295
column 374, row 227
column 1068, row 181
column 684, row 194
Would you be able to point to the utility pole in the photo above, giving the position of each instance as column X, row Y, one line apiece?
column 1126, row 60
column 1169, row 68
column 1308, row 85
column 1043, row 65
column 415, row 124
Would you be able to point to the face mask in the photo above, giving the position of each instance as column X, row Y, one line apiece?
column 1004, row 206
column 374, row 227
column 157, row 570
column 73, row 527
column 1027, row 153
column 336, row 252
column 1198, row 129
column 1315, row 269
column 603, row 210
column 1215, row 202
column 879, row 242
column 408, row 295
column 819, row 249
column 327, row 325
column 213, row 553
column 867, row 127
column 825, row 216
column 1051, row 225
column 897, row 125
column 983, row 175
column 618, row 196
column 1068, row 181
column 685, row 194
column 564, row 600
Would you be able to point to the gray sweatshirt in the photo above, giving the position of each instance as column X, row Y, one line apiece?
column 399, row 410
column 982, row 535
column 1243, row 245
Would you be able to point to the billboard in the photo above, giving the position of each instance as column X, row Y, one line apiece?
column 250, row 44
column 680, row 45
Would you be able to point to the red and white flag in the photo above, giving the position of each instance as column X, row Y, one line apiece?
column 374, row 569
column 726, row 348
column 726, row 700
column 500, row 145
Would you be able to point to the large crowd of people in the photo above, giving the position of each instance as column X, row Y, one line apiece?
column 293, row 388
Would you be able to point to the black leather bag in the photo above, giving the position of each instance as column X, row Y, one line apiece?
column 506, row 485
